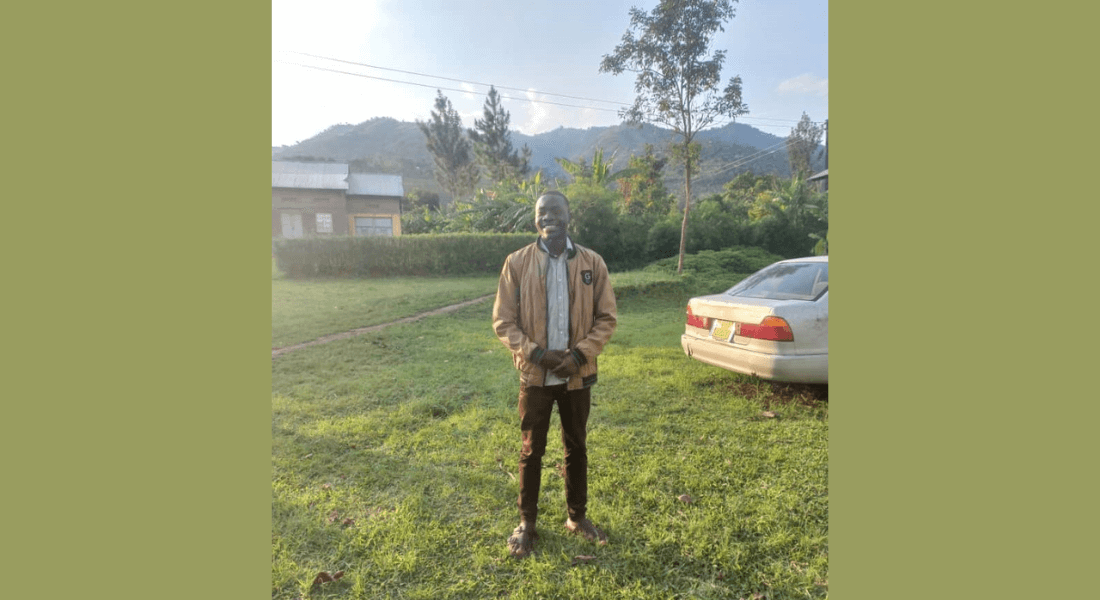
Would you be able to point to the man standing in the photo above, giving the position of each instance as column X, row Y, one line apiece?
column 555, row 311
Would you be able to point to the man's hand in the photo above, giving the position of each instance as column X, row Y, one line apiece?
column 552, row 359
column 568, row 367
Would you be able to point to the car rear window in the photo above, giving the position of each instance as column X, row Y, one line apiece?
column 786, row 281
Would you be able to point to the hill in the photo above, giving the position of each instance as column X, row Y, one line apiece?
column 385, row 145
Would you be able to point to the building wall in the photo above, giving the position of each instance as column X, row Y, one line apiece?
column 307, row 204
column 374, row 206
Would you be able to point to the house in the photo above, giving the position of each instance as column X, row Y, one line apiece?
column 821, row 179
column 374, row 204
column 319, row 199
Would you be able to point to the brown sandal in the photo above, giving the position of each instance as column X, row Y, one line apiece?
column 522, row 541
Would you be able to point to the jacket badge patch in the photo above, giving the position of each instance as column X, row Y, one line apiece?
column 586, row 276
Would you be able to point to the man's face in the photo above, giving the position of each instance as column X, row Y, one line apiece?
column 551, row 217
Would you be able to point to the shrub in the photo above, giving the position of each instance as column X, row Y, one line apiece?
column 420, row 255
column 718, row 267
column 714, row 225
column 778, row 235
column 663, row 239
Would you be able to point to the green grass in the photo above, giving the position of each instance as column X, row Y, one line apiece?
column 412, row 434
column 640, row 278
column 303, row 310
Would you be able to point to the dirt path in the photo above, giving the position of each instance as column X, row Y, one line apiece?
column 354, row 332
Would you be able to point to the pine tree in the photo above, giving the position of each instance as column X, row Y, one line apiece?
column 493, row 143
column 455, row 169
column 801, row 144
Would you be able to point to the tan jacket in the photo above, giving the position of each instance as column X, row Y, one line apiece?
column 519, row 313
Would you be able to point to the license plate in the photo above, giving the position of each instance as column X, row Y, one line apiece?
column 722, row 330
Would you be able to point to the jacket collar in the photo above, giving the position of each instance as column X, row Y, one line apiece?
column 570, row 249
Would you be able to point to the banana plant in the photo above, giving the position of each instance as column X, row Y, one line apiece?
column 507, row 207
column 599, row 173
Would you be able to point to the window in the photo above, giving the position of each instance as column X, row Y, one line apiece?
column 374, row 226
column 324, row 222
column 786, row 281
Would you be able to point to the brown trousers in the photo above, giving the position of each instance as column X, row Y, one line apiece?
column 535, row 406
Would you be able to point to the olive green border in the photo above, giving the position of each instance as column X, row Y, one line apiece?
column 136, row 441
column 136, row 436
column 961, row 458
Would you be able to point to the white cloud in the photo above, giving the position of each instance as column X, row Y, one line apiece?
column 805, row 84
column 538, row 116
column 468, row 118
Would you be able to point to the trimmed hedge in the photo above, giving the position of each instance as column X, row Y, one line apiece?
column 457, row 254
column 442, row 255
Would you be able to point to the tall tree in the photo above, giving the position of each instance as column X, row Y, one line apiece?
column 801, row 144
column 455, row 169
column 493, row 143
column 678, row 79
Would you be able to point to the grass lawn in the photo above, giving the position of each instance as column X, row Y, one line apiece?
column 304, row 310
column 394, row 459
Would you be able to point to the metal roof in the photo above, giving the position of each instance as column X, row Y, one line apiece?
column 371, row 184
column 311, row 176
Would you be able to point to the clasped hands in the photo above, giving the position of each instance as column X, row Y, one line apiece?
column 560, row 362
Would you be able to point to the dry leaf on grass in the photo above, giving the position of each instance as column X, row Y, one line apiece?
column 769, row 414
column 582, row 559
column 685, row 499
column 325, row 577
column 332, row 516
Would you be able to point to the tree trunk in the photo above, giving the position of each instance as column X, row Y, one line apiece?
column 687, row 208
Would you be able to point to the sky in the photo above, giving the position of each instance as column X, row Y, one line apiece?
column 330, row 60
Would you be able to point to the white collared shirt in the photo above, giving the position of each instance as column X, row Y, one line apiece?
column 557, row 304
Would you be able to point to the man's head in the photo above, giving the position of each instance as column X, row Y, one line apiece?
column 552, row 216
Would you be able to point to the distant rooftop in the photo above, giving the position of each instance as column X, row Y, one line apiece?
column 371, row 184
column 311, row 176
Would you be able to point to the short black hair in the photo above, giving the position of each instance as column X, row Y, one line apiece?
column 558, row 194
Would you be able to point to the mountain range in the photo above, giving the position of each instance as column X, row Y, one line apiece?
column 386, row 145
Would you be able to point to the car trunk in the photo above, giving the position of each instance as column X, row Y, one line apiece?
column 726, row 311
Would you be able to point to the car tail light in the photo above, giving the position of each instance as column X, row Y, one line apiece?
column 700, row 322
column 771, row 328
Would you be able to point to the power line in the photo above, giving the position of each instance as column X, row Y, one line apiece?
column 733, row 165
column 750, row 158
column 784, row 120
column 750, row 119
column 502, row 87
column 738, row 163
column 443, row 88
